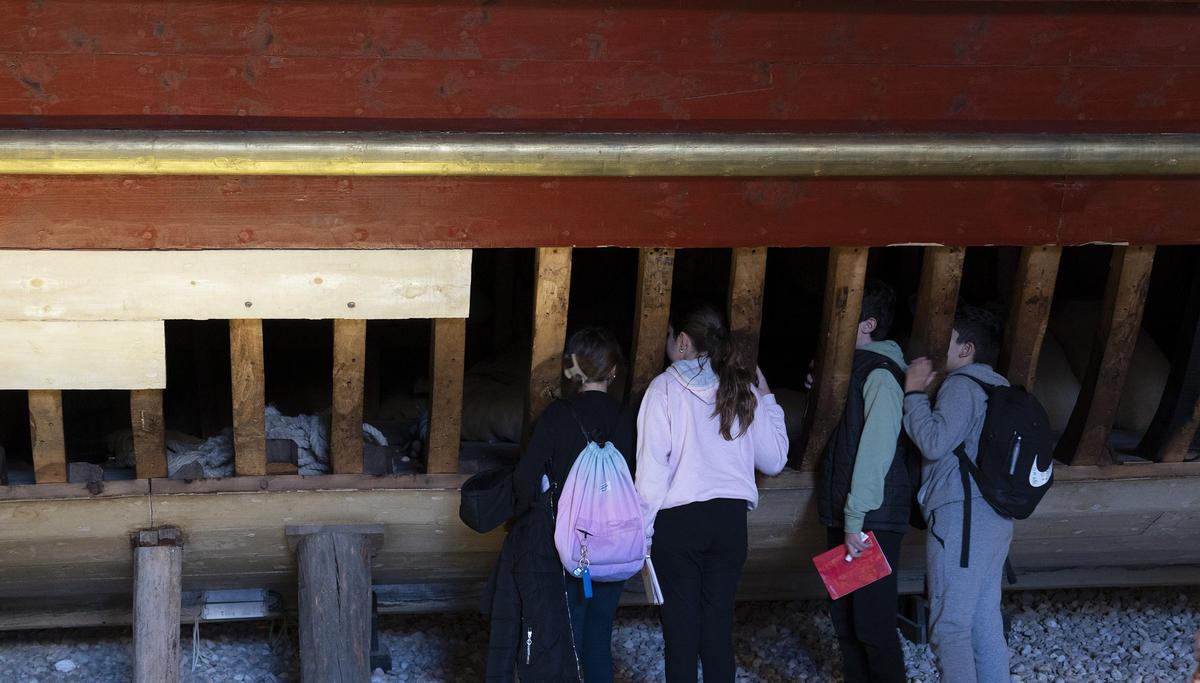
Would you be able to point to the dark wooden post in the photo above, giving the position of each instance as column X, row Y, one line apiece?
column 46, row 436
column 249, row 397
column 157, row 586
column 1085, row 441
column 1029, row 314
column 334, row 562
column 747, row 276
column 552, row 296
column 446, row 364
column 844, row 278
column 937, row 299
column 652, row 309
column 149, row 440
column 345, row 432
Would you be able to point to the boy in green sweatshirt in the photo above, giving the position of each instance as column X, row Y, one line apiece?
column 865, row 486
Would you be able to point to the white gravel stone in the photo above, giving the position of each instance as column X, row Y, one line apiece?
column 1118, row 635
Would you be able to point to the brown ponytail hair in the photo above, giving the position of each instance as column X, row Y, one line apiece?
column 592, row 355
column 730, row 361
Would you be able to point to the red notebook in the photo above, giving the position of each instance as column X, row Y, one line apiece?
column 842, row 578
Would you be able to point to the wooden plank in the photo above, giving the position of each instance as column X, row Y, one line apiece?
column 951, row 34
column 937, row 299
column 651, row 317
column 1029, row 313
column 249, row 397
column 551, row 298
column 334, row 567
column 46, row 436
column 112, row 285
column 1173, row 430
column 840, row 315
column 656, row 95
column 149, row 439
column 170, row 212
column 345, row 433
column 747, row 274
column 1085, row 440
column 446, row 368
column 156, row 604
column 82, row 355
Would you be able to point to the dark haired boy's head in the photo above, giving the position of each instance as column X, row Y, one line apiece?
column 976, row 338
column 878, row 309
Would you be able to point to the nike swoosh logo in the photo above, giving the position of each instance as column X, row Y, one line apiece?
column 1038, row 477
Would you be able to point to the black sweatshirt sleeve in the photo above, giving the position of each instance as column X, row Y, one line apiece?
column 527, row 479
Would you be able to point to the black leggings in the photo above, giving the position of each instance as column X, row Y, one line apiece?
column 698, row 553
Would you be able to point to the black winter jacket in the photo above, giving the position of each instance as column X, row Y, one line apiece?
column 526, row 598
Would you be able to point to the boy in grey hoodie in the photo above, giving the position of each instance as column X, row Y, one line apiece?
column 966, row 629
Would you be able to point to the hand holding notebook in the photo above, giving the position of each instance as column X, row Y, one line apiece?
column 843, row 574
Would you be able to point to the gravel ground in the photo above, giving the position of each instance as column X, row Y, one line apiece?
column 1077, row 635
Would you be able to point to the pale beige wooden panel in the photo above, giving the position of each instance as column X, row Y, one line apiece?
column 82, row 355
column 239, row 283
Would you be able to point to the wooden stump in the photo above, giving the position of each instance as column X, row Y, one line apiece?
column 335, row 599
column 157, row 582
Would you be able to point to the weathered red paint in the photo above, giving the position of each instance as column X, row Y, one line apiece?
column 643, row 66
column 281, row 212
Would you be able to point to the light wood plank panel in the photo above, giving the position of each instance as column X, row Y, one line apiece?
column 227, row 284
column 149, row 439
column 652, row 310
column 448, row 353
column 249, row 397
column 1085, row 440
column 345, row 433
column 82, row 355
column 1029, row 314
column 840, row 314
column 551, row 298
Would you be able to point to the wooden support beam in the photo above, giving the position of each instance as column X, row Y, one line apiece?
column 157, row 588
column 249, row 397
column 446, row 368
column 840, row 315
column 937, row 299
column 194, row 213
column 1173, row 430
column 334, row 566
column 46, row 436
column 149, row 440
column 552, row 296
column 747, row 274
column 652, row 310
column 345, row 433
column 1085, row 440
column 1029, row 313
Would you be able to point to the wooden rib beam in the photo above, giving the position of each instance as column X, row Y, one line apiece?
column 271, row 212
column 149, row 440
column 747, row 274
column 937, row 299
column 551, row 299
column 651, row 318
column 1085, row 440
column 249, row 397
column 1173, row 430
column 1029, row 314
column 446, row 367
column 345, row 432
column 840, row 315
column 46, row 436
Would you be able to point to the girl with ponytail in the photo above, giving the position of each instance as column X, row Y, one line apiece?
column 705, row 426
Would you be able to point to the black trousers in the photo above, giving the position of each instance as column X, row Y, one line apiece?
column 698, row 553
column 865, row 620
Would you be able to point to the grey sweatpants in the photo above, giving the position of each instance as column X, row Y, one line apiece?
column 966, row 629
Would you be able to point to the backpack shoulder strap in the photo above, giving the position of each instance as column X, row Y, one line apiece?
column 579, row 422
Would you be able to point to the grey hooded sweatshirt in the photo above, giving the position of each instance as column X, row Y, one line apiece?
column 955, row 417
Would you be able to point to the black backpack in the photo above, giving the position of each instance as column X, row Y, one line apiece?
column 1014, row 466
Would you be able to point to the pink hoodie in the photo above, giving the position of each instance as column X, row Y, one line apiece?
column 682, row 457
